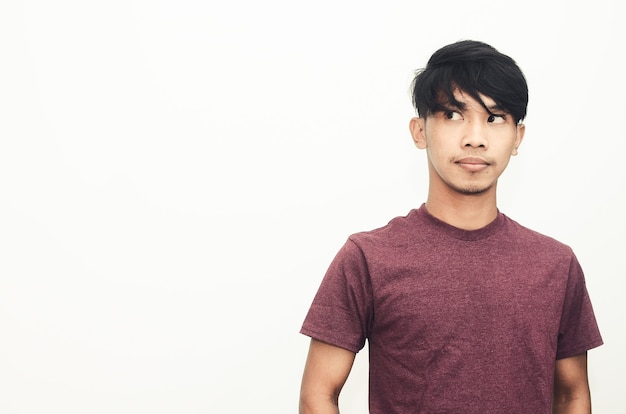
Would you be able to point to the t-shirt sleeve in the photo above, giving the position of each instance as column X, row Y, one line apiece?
column 341, row 311
column 578, row 331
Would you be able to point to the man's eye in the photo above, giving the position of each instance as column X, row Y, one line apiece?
column 496, row 119
column 453, row 115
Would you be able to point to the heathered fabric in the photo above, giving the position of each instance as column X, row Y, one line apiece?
column 457, row 321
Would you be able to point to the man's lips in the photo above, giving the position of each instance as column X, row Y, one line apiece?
column 472, row 164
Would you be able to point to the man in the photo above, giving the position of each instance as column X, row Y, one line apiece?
column 464, row 310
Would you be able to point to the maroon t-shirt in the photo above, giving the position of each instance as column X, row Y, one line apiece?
column 457, row 321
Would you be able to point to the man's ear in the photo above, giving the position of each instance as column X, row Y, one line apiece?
column 417, row 132
column 521, row 129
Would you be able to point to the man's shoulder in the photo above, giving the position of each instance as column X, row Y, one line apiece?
column 534, row 239
column 397, row 230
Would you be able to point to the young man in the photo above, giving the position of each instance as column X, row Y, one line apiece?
column 465, row 311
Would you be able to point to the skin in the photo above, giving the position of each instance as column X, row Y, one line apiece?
column 326, row 371
column 468, row 149
column 571, row 386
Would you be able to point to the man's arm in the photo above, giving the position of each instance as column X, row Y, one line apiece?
column 326, row 370
column 571, row 386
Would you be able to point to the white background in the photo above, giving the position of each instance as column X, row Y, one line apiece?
column 175, row 177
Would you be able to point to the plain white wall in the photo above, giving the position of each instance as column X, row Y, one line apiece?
column 175, row 177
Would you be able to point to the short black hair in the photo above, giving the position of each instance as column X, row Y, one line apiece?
column 472, row 67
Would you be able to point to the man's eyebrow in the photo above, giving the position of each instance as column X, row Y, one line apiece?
column 447, row 105
column 496, row 108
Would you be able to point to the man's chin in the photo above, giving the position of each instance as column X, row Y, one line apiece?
column 472, row 190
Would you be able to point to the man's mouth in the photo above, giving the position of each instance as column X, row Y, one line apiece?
column 472, row 164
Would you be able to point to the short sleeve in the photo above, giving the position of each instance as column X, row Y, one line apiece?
column 341, row 311
column 578, row 331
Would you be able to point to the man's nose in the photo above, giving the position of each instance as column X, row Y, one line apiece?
column 475, row 135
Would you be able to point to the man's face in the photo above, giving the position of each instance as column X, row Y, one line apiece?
column 468, row 148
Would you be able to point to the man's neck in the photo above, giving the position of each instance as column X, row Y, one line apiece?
column 468, row 212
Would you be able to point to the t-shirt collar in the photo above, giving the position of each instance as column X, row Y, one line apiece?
column 458, row 233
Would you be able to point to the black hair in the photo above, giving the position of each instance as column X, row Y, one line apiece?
column 471, row 67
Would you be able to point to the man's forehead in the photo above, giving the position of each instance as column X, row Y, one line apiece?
column 463, row 99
